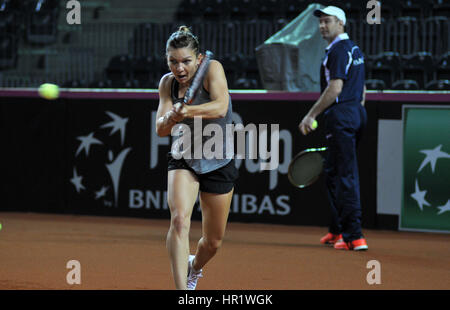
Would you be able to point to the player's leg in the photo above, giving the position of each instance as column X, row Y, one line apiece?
column 215, row 209
column 182, row 193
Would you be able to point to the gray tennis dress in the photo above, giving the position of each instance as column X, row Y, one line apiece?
column 192, row 153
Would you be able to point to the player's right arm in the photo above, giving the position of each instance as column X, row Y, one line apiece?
column 166, row 117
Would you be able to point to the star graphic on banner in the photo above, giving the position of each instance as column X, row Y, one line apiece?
column 419, row 196
column 432, row 156
column 86, row 142
column 76, row 180
column 118, row 123
column 101, row 192
column 444, row 208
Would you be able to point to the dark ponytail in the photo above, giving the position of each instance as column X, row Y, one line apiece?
column 183, row 37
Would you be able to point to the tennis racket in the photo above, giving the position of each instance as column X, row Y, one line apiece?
column 198, row 78
column 306, row 167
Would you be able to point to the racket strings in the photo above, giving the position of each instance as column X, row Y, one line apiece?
column 306, row 169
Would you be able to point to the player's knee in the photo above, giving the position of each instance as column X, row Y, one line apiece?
column 180, row 223
column 213, row 244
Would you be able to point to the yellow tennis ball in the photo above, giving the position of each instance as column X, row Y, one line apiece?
column 0, row 226
column 314, row 124
column 49, row 91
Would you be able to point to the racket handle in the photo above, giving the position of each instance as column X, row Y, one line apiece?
column 178, row 106
column 189, row 94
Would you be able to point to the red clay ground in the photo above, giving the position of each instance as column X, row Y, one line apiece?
column 130, row 254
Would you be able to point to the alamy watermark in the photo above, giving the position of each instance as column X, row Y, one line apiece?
column 74, row 275
column 374, row 275
column 209, row 142
column 374, row 15
column 73, row 17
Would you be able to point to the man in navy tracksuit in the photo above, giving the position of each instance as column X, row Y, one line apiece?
column 342, row 101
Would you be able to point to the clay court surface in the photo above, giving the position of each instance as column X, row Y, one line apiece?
column 130, row 254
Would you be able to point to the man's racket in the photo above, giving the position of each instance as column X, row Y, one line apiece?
column 306, row 167
column 198, row 78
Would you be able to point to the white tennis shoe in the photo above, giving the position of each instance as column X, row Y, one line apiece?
column 193, row 275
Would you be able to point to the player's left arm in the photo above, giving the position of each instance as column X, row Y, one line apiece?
column 215, row 83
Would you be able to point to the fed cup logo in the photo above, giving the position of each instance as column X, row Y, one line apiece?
column 100, row 143
column 432, row 156
column 426, row 166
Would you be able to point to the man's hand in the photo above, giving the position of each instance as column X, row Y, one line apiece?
column 305, row 125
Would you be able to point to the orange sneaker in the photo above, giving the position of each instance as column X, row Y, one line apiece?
column 355, row 245
column 330, row 238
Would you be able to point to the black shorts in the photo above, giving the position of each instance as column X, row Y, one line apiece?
column 220, row 181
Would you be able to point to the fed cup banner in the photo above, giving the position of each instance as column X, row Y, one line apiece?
column 426, row 169
column 117, row 164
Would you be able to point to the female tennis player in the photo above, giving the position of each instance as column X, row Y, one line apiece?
column 210, row 179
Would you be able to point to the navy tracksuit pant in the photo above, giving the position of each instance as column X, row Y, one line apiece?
column 344, row 123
